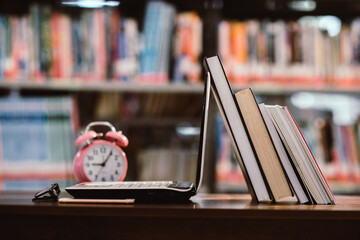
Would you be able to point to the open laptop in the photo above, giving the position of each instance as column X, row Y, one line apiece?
column 151, row 190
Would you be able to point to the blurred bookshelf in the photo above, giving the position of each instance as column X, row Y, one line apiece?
column 127, row 65
column 171, row 87
column 106, row 86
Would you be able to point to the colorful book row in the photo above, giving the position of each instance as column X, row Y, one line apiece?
column 36, row 140
column 294, row 52
column 100, row 44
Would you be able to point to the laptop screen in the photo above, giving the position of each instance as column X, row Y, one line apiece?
column 203, row 130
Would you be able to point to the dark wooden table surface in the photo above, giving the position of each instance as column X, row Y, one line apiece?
column 207, row 216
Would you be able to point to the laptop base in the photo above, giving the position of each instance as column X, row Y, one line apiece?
column 174, row 192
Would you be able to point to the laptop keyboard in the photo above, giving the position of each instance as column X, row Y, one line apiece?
column 144, row 184
column 130, row 185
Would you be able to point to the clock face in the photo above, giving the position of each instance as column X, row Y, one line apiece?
column 105, row 162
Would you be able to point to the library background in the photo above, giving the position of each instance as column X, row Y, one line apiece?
column 138, row 65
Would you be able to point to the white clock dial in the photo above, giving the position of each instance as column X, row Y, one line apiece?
column 104, row 162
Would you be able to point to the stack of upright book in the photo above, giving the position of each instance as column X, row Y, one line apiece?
column 269, row 146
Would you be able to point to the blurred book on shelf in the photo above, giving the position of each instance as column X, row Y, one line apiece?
column 159, row 164
column 290, row 52
column 228, row 175
column 48, row 44
column 36, row 139
column 187, row 47
column 100, row 44
column 159, row 22
column 135, row 107
column 337, row 149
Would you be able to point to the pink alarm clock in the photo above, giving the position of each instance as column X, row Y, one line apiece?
column 100, row 158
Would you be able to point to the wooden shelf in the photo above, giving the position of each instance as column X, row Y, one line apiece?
column 109, row 86
column 106, row 86
column 282, row 89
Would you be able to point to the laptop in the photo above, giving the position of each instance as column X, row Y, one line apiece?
column 151, row 190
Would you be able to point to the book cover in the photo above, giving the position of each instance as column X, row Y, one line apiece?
column 263, row 145
column 300, row 155
column 236, row 130
column 311, row 156
column 292, row 174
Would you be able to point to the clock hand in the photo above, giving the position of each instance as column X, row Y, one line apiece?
column 97, row 164
column 107, row 158
column 103, row 163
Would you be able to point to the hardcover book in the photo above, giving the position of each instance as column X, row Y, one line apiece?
column 243, row 149
column 269, row 146
column 263, row 145
column 302, row 158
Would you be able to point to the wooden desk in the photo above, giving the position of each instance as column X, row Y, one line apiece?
column 215, row 216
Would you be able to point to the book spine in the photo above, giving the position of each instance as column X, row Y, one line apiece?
column 227, row 171
column 154, row 57
column 55, row 46
column 2, row 46
column 34, row 46
column 168, row 19
column 187, row 47
column 45, row 40
column 66, row 60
